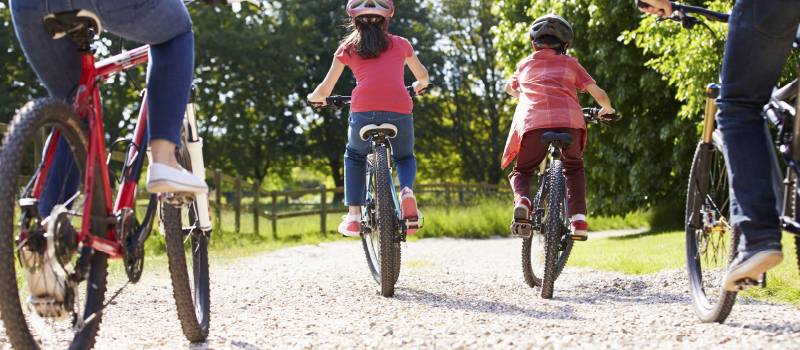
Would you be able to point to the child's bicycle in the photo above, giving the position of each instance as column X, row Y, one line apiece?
column 711, row 240
column 54, row 268
column 546, row 238
column 382, row 227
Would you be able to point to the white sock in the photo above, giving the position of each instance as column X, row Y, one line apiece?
column 353, row 217
column 578, row 217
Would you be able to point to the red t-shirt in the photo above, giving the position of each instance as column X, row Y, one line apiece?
column 547, row 83
column 380, row 84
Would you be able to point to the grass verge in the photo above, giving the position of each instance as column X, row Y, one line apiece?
column 654, row 252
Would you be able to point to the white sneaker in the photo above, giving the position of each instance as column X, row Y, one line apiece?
column 166, row 179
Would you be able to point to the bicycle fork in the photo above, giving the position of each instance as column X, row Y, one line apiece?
column 194, row 144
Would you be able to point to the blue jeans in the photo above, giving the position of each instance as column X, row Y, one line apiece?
column 760, row 37
column 163, row 24
column 355, row 157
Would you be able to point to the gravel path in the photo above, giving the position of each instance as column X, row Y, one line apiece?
column 451, row 294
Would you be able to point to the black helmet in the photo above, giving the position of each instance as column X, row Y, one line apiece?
column 552, row 25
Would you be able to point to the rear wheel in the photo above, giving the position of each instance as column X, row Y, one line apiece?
column 710, row 239
column 190, row 286
column 557, row 243
column 535, row 248
column 386, row 226
column 52, row 286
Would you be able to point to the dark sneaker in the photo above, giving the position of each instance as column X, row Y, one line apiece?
column 748, row 267
column 580, row 230
column 522, row 209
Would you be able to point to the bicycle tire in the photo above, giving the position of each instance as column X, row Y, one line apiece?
column 34, row 117
column 386, row 224
column 554, row 230
column 718, row 309
column 192, row 295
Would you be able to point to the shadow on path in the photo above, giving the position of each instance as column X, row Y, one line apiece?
column 484, row 306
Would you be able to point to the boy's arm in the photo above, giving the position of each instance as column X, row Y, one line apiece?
column 602, row 99
column 511, row 91
column 326, row 87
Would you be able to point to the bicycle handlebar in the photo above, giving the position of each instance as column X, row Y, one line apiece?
column 592, row 115
column 682, row 13
column 339, row 102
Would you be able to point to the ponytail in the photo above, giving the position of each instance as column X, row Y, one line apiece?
column 368, row 36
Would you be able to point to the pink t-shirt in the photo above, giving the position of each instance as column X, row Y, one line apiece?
column 380, row 84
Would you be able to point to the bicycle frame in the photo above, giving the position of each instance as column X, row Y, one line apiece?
column 87, row 105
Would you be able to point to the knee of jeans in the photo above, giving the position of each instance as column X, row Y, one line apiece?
column 573, row 165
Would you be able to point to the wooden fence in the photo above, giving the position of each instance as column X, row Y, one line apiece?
column 267, row 204
column 232, row 193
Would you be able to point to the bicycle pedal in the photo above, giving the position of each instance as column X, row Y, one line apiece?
column 579, row 238
column 745, row 283
column 522, row 229
column 178, row 200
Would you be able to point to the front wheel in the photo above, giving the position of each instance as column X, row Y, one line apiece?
column 191, row 288
column 710, row 239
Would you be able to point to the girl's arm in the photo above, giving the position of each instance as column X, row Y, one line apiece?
column 420, row 72
column 602, row 98
column 510, row 90
column 326, row 87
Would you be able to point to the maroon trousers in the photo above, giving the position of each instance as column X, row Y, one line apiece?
column 532, row 152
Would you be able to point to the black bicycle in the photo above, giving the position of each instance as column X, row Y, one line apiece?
column 382, row 227
column 711, row 240
column 546, row 238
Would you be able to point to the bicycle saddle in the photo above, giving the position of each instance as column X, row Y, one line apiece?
column 80, row 25
column 562, row 138
column 369, row 131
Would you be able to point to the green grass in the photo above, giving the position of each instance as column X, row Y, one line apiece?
column 651, row 253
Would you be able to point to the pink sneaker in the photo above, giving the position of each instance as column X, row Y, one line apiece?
column 350, row 226
column 522, row 209
column 408, row 208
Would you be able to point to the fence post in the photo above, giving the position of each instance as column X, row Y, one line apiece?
column 218, row 198
column 461, row 194
column 256, row 210
column 447, row 200
column 238, row 188
column 323, row 211
column 274, row 214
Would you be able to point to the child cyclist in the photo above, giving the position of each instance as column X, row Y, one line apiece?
column 377, row 59
column 545, row 84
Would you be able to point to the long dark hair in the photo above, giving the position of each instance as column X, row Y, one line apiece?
column 368, row 36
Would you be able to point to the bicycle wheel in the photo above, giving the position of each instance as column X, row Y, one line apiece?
column 43, row 264
column 190, row 290
column 558, row 245
column 386, row 224
column 534, row 249
column 710, row 240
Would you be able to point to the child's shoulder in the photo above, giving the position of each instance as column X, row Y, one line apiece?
column 525, row 61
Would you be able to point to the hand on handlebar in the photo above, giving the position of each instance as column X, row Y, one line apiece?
column 420, row 87
column 661, row 8
column 317, row 100
column 607, row 113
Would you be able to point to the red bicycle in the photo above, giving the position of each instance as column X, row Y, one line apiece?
column 54, row 268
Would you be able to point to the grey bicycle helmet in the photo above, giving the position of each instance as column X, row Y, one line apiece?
column 552, row 25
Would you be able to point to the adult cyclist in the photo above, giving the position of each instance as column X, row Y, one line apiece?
column 760, row 37
column 167, row 27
